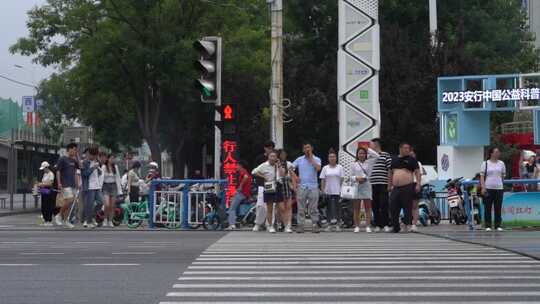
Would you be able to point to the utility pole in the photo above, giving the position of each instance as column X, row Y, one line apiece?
column 276, row 89
column 433, row 22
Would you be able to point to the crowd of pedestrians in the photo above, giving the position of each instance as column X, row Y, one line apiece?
column 91, row 179
column 385, row 186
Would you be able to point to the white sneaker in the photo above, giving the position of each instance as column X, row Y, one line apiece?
column 328, row 229
column 338, row 229
column 111, row 224
column 94, row 223
column 387, row 229
column 356, row 229
column 85, row 224
column 48, row 224
column 231, row 227
column 368, row 229
column 288, row 229
column 91, row 226
column 105, row 223
column 271, row 229
column 377, row 229
column 488, row 229
column 69, row 225
column 256, row 228
column 58, row 220
column 413, row 228
column 500, row 229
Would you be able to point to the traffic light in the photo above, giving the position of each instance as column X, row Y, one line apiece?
column 229, row 118
column 209, row 65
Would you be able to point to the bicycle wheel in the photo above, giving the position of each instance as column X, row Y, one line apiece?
column 211, row 222
column 134, row 221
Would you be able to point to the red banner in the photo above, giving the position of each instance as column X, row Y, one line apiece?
column 29, row 119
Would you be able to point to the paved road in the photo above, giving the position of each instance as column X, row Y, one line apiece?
column 97, row 266
column 354, row 268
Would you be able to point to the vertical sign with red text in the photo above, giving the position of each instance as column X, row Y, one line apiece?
column 230, row 149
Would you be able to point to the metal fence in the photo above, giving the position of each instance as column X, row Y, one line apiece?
column 167, row 207
column 181, row 203
column 442, row 203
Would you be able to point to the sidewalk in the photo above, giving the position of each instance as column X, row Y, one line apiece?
column 515, row 240
column 18, row 205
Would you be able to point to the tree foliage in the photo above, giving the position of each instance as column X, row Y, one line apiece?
column 125, row 66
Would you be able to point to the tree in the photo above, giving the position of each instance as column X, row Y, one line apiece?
column 128, row 63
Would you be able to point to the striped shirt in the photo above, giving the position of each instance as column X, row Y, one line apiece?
column 379, row 173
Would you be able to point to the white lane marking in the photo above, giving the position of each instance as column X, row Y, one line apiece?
column 366, row 267
column 347, row 302
column 362, row 262
column 210, row 294
column 161, row 243
column 133, row 253
column 382, row 250
column 14, row 243
column 365, row 258
column 92, row 243
column 103, row 264
column 366, row 285
column 358, row 255
column 374, row 271
column 41, row 253
column 357, row 278
column 17, row 265
column 6, row 226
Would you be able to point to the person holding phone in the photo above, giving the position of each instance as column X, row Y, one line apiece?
column 492, row 173
column 308, row 167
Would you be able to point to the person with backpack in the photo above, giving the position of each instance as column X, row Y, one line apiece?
column 492, row 173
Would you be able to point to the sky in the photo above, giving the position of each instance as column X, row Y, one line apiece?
column 13, row 20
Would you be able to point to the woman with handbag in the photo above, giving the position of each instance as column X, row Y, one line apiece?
column 492, row 173
column 48, row 199
column 269, row 171
column 360, row 171
column 332, row 176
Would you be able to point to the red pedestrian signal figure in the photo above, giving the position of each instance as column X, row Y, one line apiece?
column 228, row 112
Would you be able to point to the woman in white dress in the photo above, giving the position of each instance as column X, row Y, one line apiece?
column 360, row 172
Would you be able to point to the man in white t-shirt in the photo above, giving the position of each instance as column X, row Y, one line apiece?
column 331, row 177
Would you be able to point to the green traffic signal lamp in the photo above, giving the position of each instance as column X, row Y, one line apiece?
column 206, row 87
column 209, row 67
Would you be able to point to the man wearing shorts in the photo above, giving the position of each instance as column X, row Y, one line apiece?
column 67, row 183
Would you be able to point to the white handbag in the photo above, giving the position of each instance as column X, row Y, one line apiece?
column 349, row 189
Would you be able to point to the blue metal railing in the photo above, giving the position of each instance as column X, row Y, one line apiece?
column 185, row 195
column 470, row 207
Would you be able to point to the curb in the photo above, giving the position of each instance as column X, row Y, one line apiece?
column 4, row 214
column 446, row 237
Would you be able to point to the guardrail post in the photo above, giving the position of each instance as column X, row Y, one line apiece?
column 185, row 202
column 151, row 203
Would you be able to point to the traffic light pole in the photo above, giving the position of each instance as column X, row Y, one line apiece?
column 217, row 119
column 276, row 90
